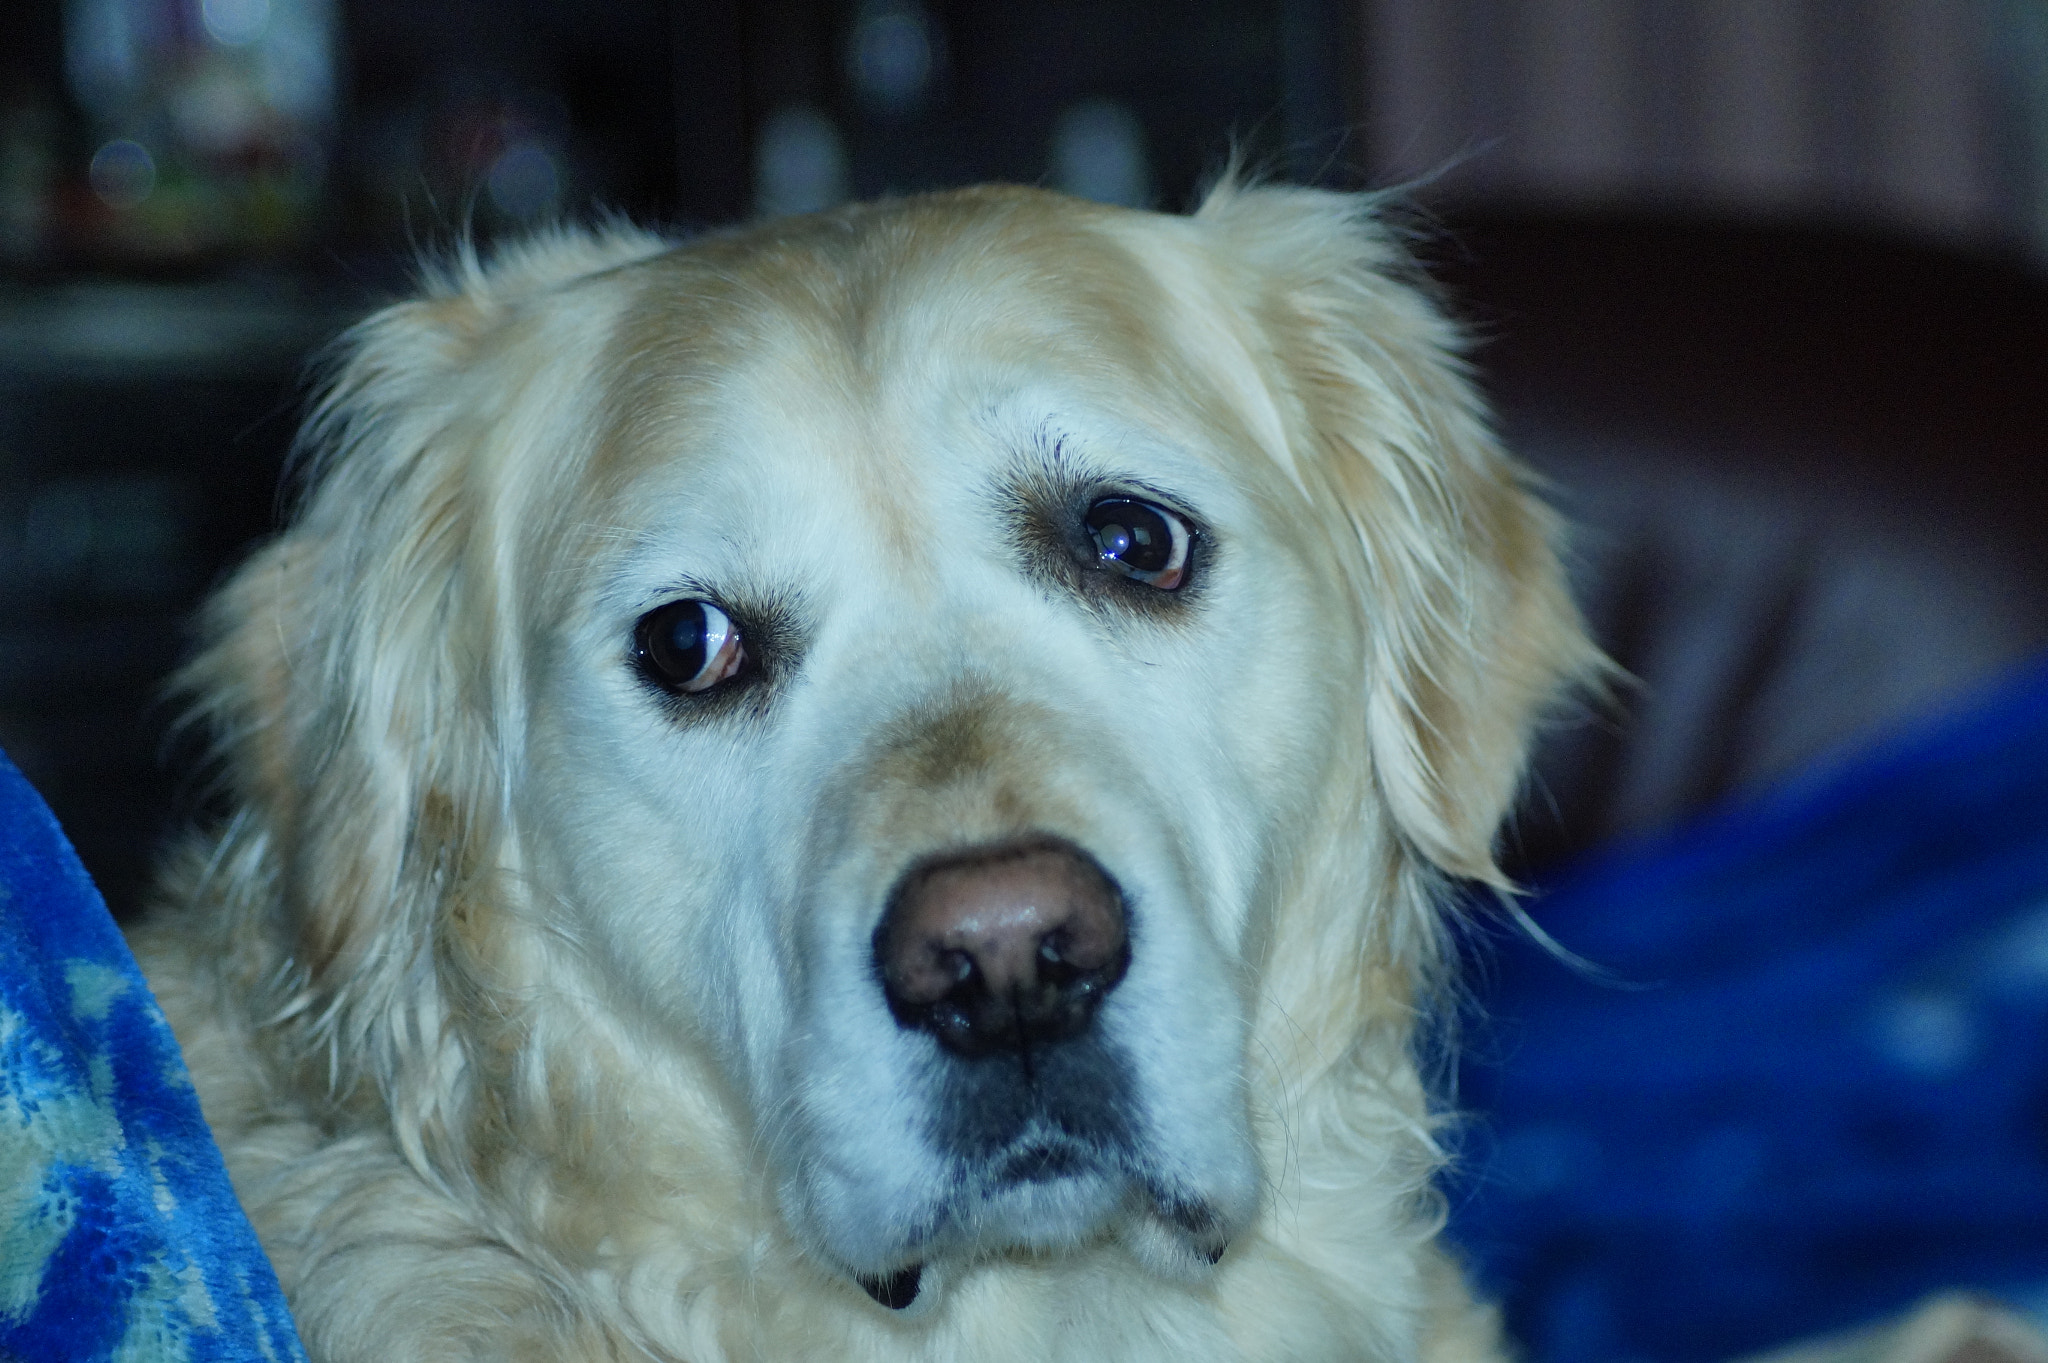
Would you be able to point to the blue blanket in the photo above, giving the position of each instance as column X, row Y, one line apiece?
column 119, row 1234
column 1822, row 1087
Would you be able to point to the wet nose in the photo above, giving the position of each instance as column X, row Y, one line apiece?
column 1002, row 948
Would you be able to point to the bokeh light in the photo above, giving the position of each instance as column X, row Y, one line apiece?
column 799, row 163
column 893, row 53
column 123, row 173
column 524, row 182
column 1098, row 152
column 235, row 23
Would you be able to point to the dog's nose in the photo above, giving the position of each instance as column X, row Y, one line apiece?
column 1003, row 948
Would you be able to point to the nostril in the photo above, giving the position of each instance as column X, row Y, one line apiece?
column 1002, row 948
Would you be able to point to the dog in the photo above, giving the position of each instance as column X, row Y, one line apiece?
column 880, row 785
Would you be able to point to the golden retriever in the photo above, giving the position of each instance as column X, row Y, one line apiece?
column 878, row 786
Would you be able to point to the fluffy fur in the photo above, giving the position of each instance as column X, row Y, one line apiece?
column 535, row 1008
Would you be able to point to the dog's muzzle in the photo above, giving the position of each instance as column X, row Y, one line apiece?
column 1003, row 955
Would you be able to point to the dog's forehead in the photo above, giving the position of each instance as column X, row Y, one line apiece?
column 857, row 374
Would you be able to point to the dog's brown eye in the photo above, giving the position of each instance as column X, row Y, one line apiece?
column 1140, row 541
column 688, row 646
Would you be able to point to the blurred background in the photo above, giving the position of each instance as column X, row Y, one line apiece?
column 1760, row 285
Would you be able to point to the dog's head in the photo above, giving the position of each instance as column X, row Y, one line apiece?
column 976, row 690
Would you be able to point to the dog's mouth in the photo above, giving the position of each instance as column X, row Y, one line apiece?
column 1176, row 1233
column 1044, row 1161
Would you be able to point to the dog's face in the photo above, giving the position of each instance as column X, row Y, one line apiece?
column 923, row 720
column 986, row 677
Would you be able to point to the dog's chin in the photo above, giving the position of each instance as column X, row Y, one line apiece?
column 1034, row 1199
column 1039, row 1197
column 1030, row 1207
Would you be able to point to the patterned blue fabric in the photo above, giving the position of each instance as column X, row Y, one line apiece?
column 1822, row 1089
column 120, row 1237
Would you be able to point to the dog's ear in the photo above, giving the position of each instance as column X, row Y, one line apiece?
column 355, row 678
column 1470, row 632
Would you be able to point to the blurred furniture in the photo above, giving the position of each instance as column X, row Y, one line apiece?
column 1808, row 475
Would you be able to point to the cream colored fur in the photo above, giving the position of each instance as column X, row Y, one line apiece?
column 529, row 1005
